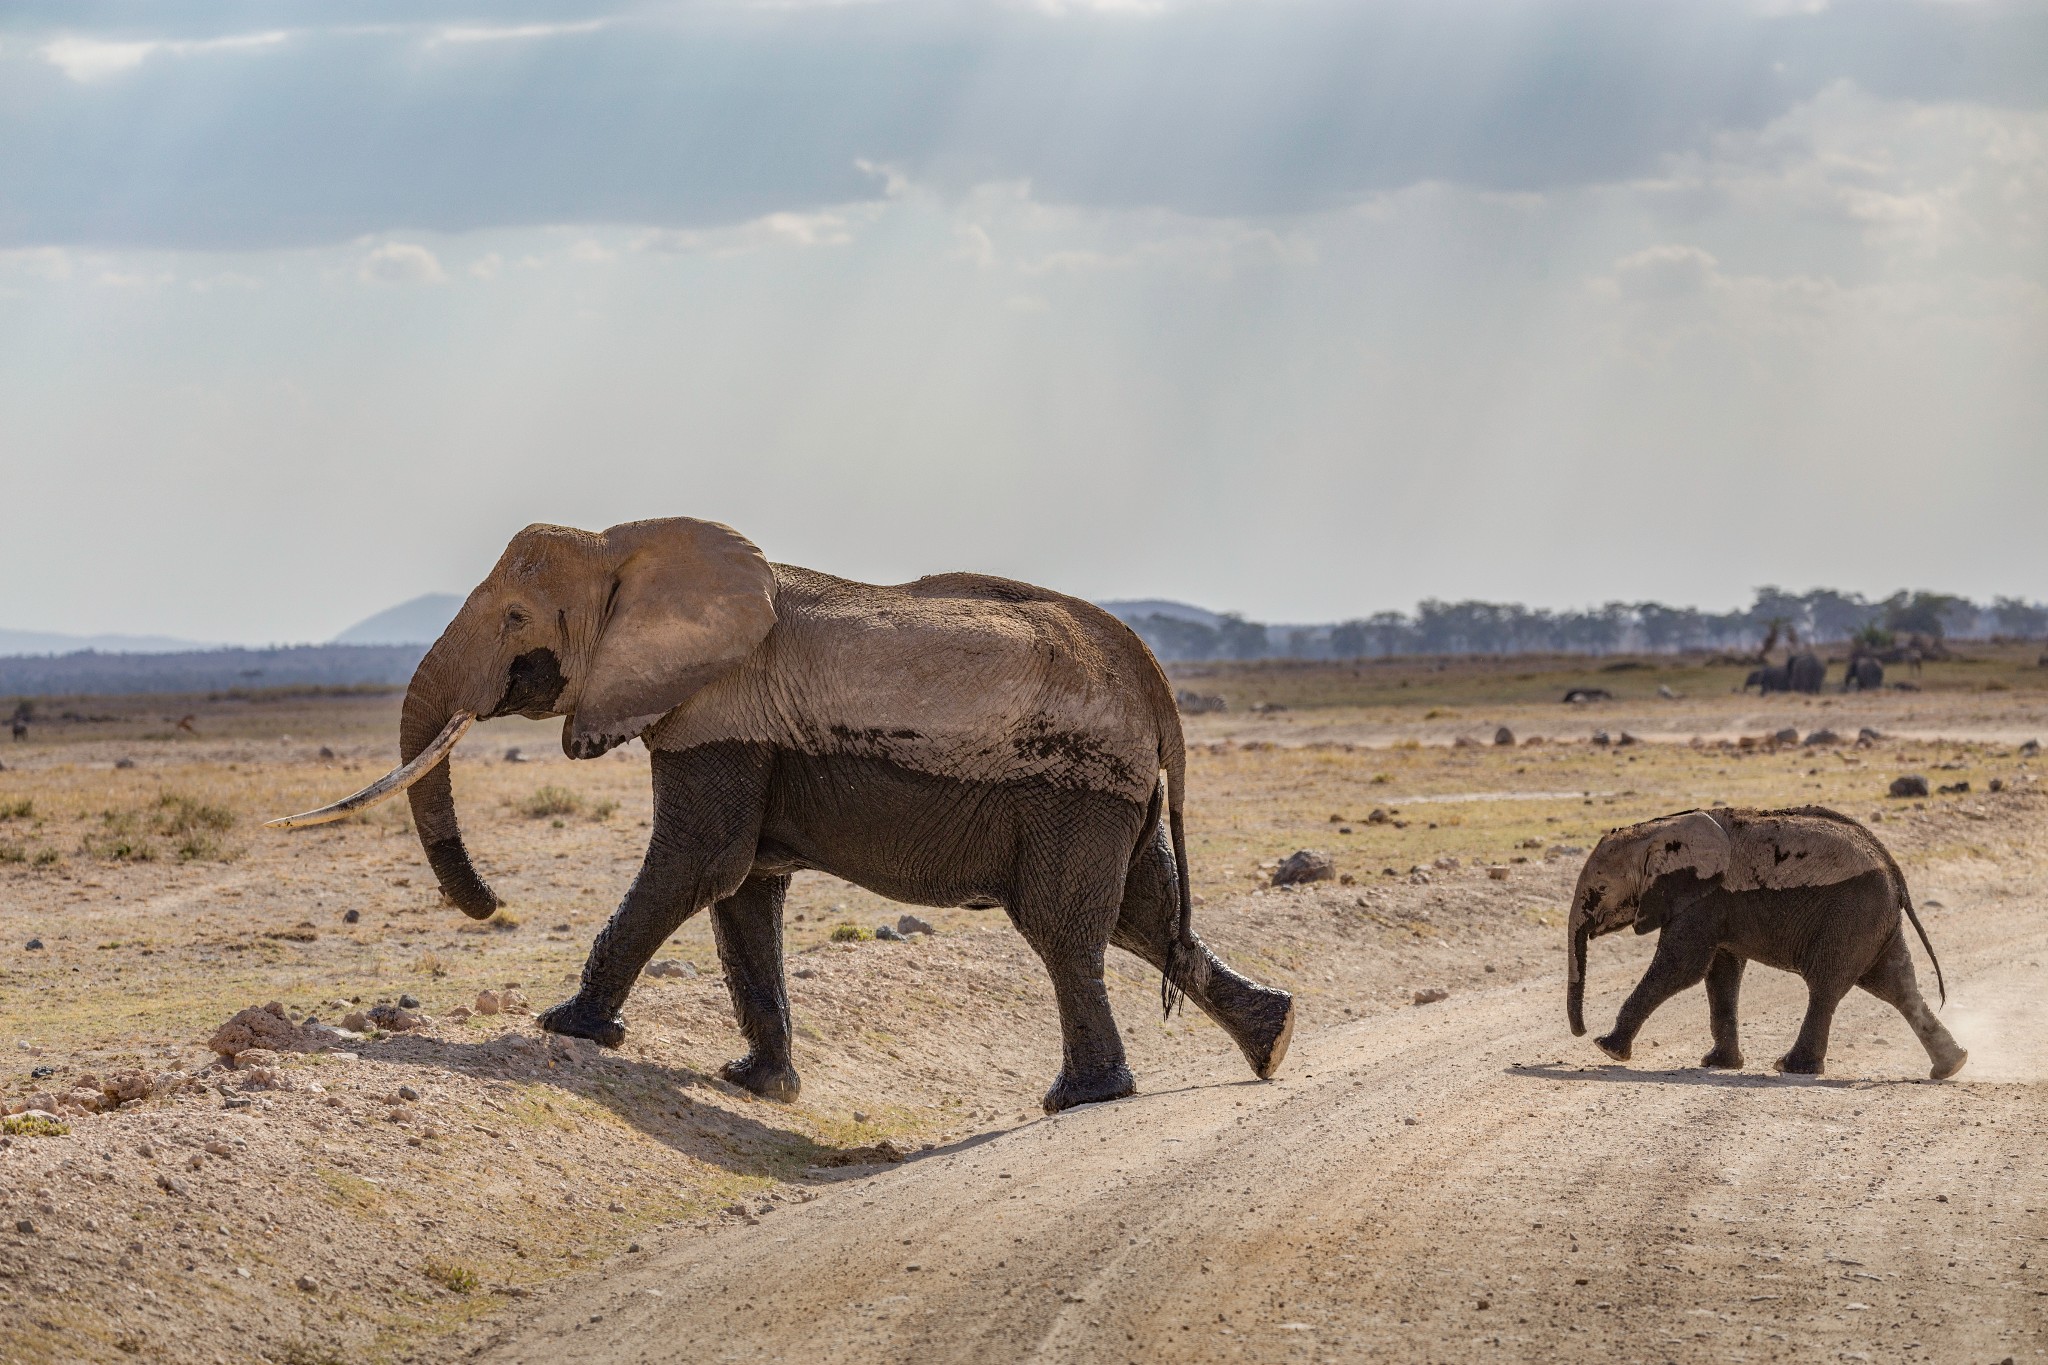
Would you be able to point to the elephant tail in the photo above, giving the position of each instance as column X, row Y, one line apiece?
column 1906, row 903
column 1176, row 780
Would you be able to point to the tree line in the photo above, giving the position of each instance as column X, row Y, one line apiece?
column 1775, row 618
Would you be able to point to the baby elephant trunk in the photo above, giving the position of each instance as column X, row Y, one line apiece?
column 1575, row 978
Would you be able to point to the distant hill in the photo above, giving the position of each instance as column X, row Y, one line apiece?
column 13, row 642
column 418, row 622
column 210, row 670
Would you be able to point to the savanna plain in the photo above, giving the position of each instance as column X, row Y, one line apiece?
column 1440, row 1172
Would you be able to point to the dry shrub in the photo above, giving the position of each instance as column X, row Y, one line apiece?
column 551, row 800
column 851, row 933
column 23, row 809
column 451, row 1275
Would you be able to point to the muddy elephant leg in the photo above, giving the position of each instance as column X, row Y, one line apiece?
column 1683, row 955
column 1891, row 980
column 1259, row 1019
column 1809, row 1054
column 1724, row 990
column 1065, row 904
column 747, row 926
column 707, row 818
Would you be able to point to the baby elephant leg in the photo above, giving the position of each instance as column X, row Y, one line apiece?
column 747, row 926
column 1891, row 980
column 1724, row 989
column 1809, row 1054
column 1683, row 955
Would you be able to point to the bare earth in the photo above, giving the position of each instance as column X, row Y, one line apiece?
column 1423, row 1182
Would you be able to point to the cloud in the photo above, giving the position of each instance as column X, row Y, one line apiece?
column 698, row 118
column 1665, row 272
column 87, row 59
column 401, row 263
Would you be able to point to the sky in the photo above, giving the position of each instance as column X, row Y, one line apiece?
column 1298, row 309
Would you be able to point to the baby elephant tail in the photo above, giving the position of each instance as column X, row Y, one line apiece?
column 1906, row 902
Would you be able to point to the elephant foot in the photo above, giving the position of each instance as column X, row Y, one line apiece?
column 1262, row 1028
column 1946, row 1067
column 767, row 1079
column 1726, row 1058
column 1069, row 1090
column 1614, row 1047
column 577, row 1018
column 1802, row 1066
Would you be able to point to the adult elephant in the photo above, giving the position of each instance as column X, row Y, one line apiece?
column 960, row 740
column 1805, row 673
column 1807, row 890
column 1865, row 674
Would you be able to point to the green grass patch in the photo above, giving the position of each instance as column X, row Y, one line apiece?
column 851, row 933
column 23, row 809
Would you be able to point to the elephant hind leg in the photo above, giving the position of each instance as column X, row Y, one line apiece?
column 1891, row 980
column 1724, row 991
column 747, row 927
column 1259, row 1019
column 1065, row 907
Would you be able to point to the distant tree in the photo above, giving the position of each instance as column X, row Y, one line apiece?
column 1348, row 641
column 1832, row 615
column 1171, row 637
column 1242, row 639
column 1921, row 613
column 2018, row 617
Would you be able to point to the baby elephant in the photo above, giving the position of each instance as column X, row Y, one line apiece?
column 1807, row 890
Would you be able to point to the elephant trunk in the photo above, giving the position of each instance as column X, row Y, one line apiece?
column 1575, row 974
column 427, row 713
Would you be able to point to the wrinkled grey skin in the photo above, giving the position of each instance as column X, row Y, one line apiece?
column 1837, row 934
column 798, row 749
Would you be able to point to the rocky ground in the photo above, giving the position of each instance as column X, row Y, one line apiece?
column 417, row 1193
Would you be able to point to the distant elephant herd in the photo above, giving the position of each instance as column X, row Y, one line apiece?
column 969, row 740
column 1807, row 673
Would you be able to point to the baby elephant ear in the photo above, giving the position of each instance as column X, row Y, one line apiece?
column 1694, row 840
column 689, row 599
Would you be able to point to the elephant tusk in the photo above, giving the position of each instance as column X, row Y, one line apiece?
column 387, row 786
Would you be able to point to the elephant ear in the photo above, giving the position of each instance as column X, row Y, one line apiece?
column 1686, row 853
column 688, row 600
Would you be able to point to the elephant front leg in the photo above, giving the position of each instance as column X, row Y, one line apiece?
column 706, row 823
column 1724, row 990
column 748, row 928
column 1682, row 957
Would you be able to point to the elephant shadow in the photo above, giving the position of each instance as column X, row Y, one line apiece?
column 1618, row 1073
column 662, row 1101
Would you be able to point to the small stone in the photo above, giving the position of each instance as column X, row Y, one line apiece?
column 1430, row 995
column 859, row 1117
column 615, row 1207
column 263, row 1026
column 514, row 756
column 25, row 1226
column 511, row 1001
column 1499, row 874
column 34, row 945
column 1912, row 784
column 487, row 1002
column 326, row 752
column 1482, row 1305
column 1602, row 738
column 887, row 933
column 671, row 967
column 1303, row 866
column 907, row 925
column 1998, row 784
column 1788, row 735
column 2030, row 749
column 124, row 763
column 408, row 1002
column 169, row 1184
column 459, row 1013
column 1626, row 740
column 632, row 1246
column 1868, row 736
column 1379, row 816
column 394, row 1018
column 407, row 1093
column 1954, row 788
column 356, row 1021
column 307, row 1283
column 352, row 917
column 1823, row 736
column 1504, row 736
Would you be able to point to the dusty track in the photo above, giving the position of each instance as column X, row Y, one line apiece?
column 1450, row 1183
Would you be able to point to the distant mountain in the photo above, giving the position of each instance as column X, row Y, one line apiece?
column 211, row 670
column 20, row 642
column 418, row 622
column 1137, row 609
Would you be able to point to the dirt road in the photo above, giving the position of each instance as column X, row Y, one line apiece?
column 1455, row 1182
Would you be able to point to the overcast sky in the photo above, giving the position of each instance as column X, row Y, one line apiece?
column 1298, row 309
